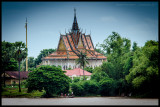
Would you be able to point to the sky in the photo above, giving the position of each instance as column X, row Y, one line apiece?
column 137, row 21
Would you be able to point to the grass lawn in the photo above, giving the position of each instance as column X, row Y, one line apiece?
column 13, row 92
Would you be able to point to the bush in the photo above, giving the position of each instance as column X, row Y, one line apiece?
column 107, row 87
column 77, row 89
column 87, row 87
column 98, row 74
column 50, row 78
column 76, row 79
column 90, row 87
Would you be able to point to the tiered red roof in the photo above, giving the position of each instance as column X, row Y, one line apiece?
column 72, row 43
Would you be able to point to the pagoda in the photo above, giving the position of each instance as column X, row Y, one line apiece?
column 69, row 47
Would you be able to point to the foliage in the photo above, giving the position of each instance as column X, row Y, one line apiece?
column 20, row 52
column 12, row 65
column 50, row 78
column 119, row 61
column 42, row 54
column 11, row 54
column 98, row 49
column 90, row 87
column 76, row 79
column 89, row 69
column 107, row 86
column 31, row 64
column 132, row 70
column 87, row 87
column 69, row 69
column 144, row 75
column 82, row 60
column 77, row 89
column 10, row 92
column 118, row 52
column 98, row 74
column 8, row 60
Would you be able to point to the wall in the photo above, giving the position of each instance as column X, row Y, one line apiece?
column 70, row 63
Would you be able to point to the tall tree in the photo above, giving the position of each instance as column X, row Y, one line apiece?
column 144, row 75
column 82, row 60
column 119, row 59
column 20, row 54
column 7, row 55
column 117, row 50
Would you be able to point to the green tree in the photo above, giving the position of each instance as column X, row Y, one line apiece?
column 31, row 64
column 99, row 49
column 7, row 58
column 119, row 59
column 82, row 60
column 98, row 74
column 12, row 65
column 42, row 54
column 77, row 89
column 144, row 74
column 89, row 69
column 50, row 78
column 134, row 46
column 90, row 87
column 76, row 79
column 20, row 53
column 107, row 86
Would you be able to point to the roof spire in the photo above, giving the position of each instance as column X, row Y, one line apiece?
column 75, row 27
column 74, row 12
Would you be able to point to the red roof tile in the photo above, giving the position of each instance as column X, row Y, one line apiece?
column 71, row 49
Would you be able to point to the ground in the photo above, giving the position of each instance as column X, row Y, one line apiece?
column 79, row 101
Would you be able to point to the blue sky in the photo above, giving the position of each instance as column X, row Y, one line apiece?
column 137, row 21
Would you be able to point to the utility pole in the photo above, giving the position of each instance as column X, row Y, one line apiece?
column 26, row 47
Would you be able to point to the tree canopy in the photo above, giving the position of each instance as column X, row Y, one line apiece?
column 50, row 78
column 129, row 70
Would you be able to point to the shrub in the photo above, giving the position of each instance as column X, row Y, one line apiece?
column 77, row 89
column 90, row 87
column 50, row 78
column 107, row 87
column 87, row 87
column 76, row 79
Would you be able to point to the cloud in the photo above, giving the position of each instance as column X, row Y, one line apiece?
column 108, row 19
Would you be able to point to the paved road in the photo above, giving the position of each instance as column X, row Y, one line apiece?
column 79, row 101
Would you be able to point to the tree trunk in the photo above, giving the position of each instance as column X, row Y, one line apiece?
column 19, row 78
column 4, row 79
column 4, row 76
column 83, row 72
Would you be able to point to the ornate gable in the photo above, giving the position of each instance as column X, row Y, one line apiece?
column 80, row 43
column 61, row 45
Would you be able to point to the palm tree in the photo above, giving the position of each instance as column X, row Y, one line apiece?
column 20, row 54
column 82, row 60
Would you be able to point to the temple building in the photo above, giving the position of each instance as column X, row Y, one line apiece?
column 70, row 45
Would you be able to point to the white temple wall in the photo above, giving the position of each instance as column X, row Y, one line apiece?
column 71, row 63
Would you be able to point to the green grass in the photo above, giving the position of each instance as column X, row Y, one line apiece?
column 11, row 92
